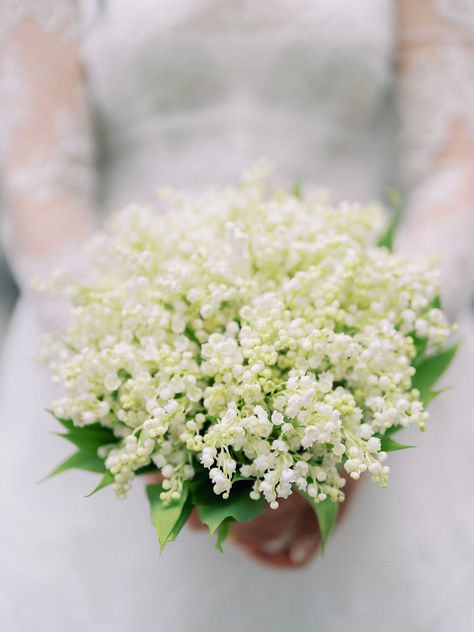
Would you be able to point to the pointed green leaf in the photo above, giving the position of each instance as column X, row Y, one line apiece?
column 297, row 189
column 390, row 431
column 431, row 369
column 390, row 445
column 67, row 423
column 147, row 469
column 214, row 509
column 187, row 509
column 87, row 438
column 223, row 533
column 429, row 396
column 166, row 519
column 394, row 201
column 84, row 442
column 79, row 461
column 326, row 512
column 105, row 481
column 420, row 346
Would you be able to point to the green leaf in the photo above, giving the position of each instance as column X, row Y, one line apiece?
column 326, row 512
column 147, row 469
column 214, row 509
column 79, row 461
column 67, row 423
column 190, row 333
column 223, row 532
column 428, row 397
column 394, row 201
column 431, row 369
column 240, row 477
column 86, row 442
column 187, row 509
column 168, row 520
column 105, row 481
column 390, row 431
column 420, row 346
column 297, row 189
column 87, row 438
column 390, row 445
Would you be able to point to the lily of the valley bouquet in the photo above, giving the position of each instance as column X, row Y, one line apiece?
column 245, row 345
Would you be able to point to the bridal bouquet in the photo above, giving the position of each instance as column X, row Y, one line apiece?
column 245, row 345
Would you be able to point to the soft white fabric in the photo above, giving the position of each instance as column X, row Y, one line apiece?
column 188, row 93
column 211, row 86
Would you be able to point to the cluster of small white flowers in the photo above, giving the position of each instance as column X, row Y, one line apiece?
column 255, row 334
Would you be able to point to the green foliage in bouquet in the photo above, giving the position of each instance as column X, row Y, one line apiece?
column 243, row 347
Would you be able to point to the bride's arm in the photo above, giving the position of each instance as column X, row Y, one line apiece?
column 435, row 64
column 44, row 133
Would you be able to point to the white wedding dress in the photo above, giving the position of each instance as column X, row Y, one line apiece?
column 189, row 93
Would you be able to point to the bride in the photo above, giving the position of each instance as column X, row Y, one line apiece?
column 101, row 101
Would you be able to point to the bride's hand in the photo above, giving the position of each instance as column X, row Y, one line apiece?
column 287, row 537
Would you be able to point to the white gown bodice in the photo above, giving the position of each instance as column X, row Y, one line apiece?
column 192, row 94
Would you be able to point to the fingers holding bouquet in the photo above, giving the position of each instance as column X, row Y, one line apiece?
column 286, row 537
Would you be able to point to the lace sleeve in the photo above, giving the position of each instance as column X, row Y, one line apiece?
column 45, row 142
column 436, row 89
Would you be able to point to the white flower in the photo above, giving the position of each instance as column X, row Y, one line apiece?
column 254, row 333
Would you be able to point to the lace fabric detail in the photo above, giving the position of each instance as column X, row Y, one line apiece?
column 437, row 84
column 50, row 15
column 67, row 168
column 46, row 145
column 67, row 162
